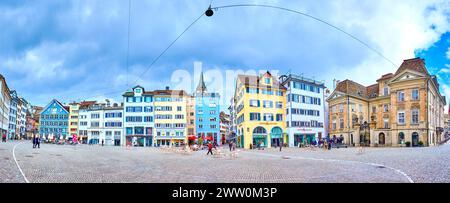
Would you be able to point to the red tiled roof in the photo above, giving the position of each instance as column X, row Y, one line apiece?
column 356, row 89
column 352, row 88
column 415, row 64
column 372, row 91
column 85, row 104
column 386, row 76
column 252, row 80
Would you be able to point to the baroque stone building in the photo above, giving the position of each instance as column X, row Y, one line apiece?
column 402, row 108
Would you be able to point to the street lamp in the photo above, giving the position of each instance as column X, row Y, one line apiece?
column 209, row 12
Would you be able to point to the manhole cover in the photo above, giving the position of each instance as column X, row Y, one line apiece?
column 6, row 158
column 35, row 153
column 28, row 156
column 2, row 149
column 381, row 167
column 285, row 157
column 58, row 155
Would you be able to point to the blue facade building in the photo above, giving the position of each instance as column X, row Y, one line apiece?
column 207, row 111
column 54, row 120
column 13, row 115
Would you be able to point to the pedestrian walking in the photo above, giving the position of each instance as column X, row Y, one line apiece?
column 230, row 145
column 37, row 141
column 103, row 142
column 34, row 141
column 4, row 137
column 210, row 146
column 281, row 145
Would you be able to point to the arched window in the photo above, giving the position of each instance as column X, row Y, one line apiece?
column 259, row 130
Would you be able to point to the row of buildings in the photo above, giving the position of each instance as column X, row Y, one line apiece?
column 401, row 108
column 144, row 118
column 18, row 118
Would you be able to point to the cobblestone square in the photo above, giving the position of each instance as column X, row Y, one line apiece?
column 96, row 164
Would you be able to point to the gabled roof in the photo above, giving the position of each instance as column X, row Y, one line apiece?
column 131, row 93
column 415, row 64
column 66, row 108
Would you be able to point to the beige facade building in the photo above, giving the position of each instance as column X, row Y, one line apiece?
column 5, row 102
column 402, row 108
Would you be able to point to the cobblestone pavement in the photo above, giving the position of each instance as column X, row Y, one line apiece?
column 82, row 163
column 9, row 173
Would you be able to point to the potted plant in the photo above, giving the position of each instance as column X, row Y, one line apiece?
column 408, row 144
column 420, row 144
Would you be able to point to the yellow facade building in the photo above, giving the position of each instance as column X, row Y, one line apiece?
column 74, row 109
column 260, row 111
column 170, row 109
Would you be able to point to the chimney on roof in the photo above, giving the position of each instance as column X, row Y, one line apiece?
column 108, row 103
column 167, row 88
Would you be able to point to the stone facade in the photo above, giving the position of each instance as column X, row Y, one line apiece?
column 401, row 109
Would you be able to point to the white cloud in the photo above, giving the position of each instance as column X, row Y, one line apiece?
column 445, row 70
column 242, row 38
column 396, row 28
column 448, row 53
column 44, row 62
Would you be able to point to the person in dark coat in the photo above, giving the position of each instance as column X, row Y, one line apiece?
column 103, row 142
column 4, row 137
column 230, row 145
column 38, row 142
column 34, row 141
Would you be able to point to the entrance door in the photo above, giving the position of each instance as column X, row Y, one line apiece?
column 415, row 139
column 149, row 141
column 276, row 135
column 297, row 139
column 381, row 139
column 259, row 137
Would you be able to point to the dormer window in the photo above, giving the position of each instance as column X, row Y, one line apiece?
column 386, row 91
column 138, row 90
column 267, row 80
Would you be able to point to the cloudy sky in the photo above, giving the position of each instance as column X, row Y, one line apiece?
column 77, row 49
